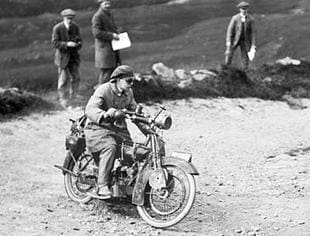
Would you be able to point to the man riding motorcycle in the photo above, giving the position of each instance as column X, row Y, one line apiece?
column 106, row 126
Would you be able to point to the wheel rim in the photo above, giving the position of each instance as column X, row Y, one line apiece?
column 168, row 200
column 75, row 189
column 166, row 217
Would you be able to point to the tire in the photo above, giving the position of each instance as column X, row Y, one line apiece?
column 159, row 217
column 75, row 190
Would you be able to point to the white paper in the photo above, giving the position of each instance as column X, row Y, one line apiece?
column 123, row 42
column 251, row 54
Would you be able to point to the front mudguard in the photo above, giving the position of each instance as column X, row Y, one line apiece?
column 186, row 166
column 146, row 171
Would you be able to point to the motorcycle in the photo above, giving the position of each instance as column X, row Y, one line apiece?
column 162, row 187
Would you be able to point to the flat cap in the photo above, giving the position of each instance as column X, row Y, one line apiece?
column 122, row 71
column 243, row 5
column 67, row 12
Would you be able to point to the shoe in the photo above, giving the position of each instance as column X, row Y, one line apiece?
column 104, row 191
column 94, row 193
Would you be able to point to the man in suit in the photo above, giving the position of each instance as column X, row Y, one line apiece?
column 104, row 31
column 66, row 39
column 241, row 33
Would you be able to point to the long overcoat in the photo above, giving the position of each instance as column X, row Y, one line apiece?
column 60, row 37
column 234, row 31
column 103, row 27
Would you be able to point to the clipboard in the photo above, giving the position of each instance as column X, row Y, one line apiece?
column 123, row 42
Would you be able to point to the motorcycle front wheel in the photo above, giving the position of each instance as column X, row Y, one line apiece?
column 76, row 190
column 167, row 207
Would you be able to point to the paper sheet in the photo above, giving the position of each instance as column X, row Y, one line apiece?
column 251, row 54
column 123, row 42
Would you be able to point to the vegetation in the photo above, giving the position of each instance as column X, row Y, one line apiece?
column 188, row 36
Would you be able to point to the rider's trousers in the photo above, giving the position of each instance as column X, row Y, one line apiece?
column 106, row 161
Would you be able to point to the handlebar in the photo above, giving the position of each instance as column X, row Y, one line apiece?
column 163, row 122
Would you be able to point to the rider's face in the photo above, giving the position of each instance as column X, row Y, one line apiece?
column 126, row 83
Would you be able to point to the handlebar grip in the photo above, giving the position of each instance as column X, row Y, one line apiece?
column 142, row 119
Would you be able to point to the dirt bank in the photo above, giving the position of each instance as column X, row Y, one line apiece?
column 253, row 157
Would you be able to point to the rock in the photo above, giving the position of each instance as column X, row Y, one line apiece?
column 199, row 77
column 288, row 61
column 182, row 74
column 301, row 222
column 293, row 102
column 185, row 83
column 138, row 76
column 163, row 71
column 267, row 79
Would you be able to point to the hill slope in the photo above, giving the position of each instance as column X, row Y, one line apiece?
column 189, row 35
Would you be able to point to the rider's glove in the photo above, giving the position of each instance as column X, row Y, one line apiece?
column 110, row 113
column 119, row 114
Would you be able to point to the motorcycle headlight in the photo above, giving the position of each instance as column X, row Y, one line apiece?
column 163, row 121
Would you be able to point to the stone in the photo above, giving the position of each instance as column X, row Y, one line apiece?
column 199, row 77
column 182, row 74
column 185, row 83
column 163, row 71
column 288, row 61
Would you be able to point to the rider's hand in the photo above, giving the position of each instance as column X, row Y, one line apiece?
column 71, row 44
column 115, row 36
column 110, row 113
column 119, row 114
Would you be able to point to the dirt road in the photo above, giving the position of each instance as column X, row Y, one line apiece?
column 253, row 157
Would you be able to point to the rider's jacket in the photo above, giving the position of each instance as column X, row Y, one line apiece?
column 105, row 97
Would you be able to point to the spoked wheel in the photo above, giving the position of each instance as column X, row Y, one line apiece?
column 166, row 207
column 75, row 187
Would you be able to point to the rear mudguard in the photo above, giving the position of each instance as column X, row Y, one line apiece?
column 145, row 172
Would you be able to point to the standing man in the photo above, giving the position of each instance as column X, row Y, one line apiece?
column 104, row 30
column 66, row 39
column 241, row 33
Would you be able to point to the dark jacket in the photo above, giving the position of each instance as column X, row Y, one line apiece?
column 60, row 37
column 234, row 31
column 103, row 27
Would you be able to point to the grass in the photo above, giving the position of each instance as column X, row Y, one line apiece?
column 190, row 36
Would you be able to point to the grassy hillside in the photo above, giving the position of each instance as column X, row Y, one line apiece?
column 22, row 8
column 189, row 36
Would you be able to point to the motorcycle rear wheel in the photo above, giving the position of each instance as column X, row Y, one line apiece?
column 75, row 190
column 168, row 207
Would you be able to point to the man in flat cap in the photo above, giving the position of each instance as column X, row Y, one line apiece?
column 67, row 41
column 104, row 31
column 241, row 33
column 106, row 126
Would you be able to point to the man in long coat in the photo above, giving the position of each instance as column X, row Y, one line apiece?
column 241, row 33
column 104, row 31
column 67, row 40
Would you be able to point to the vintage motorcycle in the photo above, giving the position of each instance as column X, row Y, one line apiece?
column 162, row 187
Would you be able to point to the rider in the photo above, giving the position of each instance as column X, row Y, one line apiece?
column 106, row 126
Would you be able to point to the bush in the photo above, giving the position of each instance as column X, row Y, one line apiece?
column 14, row 100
